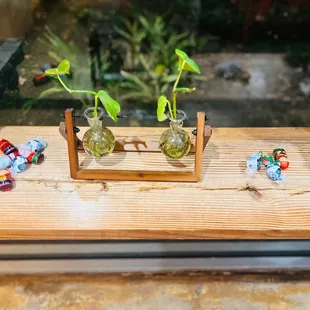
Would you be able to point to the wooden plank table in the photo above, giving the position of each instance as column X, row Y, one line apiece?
column 47, row 205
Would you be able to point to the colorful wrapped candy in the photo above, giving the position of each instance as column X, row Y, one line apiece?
column 279, row 154
column 267, row 160
column 37, row 145
column 7, row 147
column 274, row 172
column 5, row 162
column 40, row 79
column 18, row 162
column 48, row 66
column 32, row 150
column 33, row 157
column 274, row 164
column 6, row 182
column 253, row 162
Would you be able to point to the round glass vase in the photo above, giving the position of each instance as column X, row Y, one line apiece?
column 175, row 142
column 97, row 141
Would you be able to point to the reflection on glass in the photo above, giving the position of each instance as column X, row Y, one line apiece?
column 254, row 58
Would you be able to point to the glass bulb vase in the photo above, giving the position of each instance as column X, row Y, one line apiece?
column 175, row 142
column 97, row 141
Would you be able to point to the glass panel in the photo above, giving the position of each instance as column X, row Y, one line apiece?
column 254, row 59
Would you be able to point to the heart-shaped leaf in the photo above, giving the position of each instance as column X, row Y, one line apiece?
column 51, row 71
column 64, row 67
column 161, row 108
column 186, row 63
column 111, row 106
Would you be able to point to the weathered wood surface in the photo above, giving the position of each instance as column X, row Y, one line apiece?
column 227, row 204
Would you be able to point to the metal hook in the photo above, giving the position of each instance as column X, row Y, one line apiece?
column 74, row 115
column 194, row 132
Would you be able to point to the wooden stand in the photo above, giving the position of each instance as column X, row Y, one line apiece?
column 68, row 130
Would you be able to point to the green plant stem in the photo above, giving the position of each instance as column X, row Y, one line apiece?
column 71, row 91
column 63, row 84
column 83, row 92
column 96, row 106
column 174, row 95
column 170, row 111
column 174, row 102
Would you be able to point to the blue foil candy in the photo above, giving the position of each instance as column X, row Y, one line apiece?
column 274, row 172
column 37, row 145
column 45, row 67
column 19, row 164
column 5, row 162
column 253, row 162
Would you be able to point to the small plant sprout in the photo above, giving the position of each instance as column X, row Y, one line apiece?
column 111, row 106
column 184, row 64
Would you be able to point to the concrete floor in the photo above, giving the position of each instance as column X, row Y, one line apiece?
column 251, row 292
column 270, row 77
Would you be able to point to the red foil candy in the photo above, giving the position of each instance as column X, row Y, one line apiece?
column 6, row 182
column 7, row 147
column 40, row 79
column 280, row 155
column 35, row 158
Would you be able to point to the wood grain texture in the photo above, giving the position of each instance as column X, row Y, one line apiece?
column 199, row 144
column 227, row 204
column 72, row 144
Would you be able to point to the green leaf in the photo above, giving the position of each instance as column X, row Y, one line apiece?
column 64, row 67
column 133, row 78
column 160, row 69
column 164, row 88
column 50, row 91
column 184, row 90
column 51, row 71
column 170, row 78
column 122, row 33
column 29, row 103
column 54, row 56
column 161, row 108
column 186, row 63
column 129, row 85
column 111, row 106
column 133, row 95
column 144, row 22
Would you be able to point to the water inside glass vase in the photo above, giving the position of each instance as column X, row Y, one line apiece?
column 98, row 141
column 175, row 142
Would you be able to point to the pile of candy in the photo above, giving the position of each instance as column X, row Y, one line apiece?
column 17, row 159
column 274, row 164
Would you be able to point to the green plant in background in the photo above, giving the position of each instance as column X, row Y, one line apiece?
column 150, row 45
column 131, row 42
column 147, row 85
column 58, row 50
column 184, row 64
column 162, row 39
column 111, row 106
column 185, row 13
